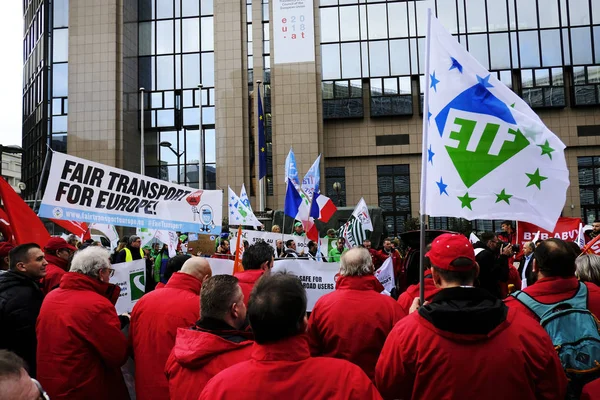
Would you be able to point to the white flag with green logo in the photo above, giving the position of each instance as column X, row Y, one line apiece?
column 486, row 154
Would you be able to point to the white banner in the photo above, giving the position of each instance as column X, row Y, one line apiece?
column 82, row 190
column 270, row 238
column 131, row 278
column 294, row 31
column 318, row 278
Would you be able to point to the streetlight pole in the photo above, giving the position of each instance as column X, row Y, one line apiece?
column 337, row 187
column 142, row 160
column 201, row 131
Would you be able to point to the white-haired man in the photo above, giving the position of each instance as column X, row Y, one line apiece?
column 81, row 347
column 357, row 336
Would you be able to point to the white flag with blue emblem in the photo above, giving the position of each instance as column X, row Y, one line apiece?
column 238, row 213
column 486, row 154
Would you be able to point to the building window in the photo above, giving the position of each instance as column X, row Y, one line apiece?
column 586, row 85
column 543, row 87
column 391, row 96
column 342, row 99
column 589, row 187
column 333, row 175
column 393, row 190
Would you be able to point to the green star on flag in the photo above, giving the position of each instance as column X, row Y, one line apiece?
column 546, row 149
column 487, row 141
column 536, row 179
column 503, row 196
column 466, row 201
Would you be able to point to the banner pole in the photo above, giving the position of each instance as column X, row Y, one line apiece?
column 39, row 188
column 424, row 163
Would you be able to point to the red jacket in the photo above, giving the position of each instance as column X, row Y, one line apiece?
column 591, row 391
column 198, row 356
column 80, row 345
column 247, row 280
column 555, row 289
column 509, row 358
column 154, row 322
column 55, row 269
column 333, row 330
column 406, row 299
column 286, row 371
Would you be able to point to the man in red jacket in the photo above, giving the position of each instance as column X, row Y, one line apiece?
column 257, row 259
column 154, row 322
column 280, row 366
column 80, row 344
column 554, row 266
column 333, row 331
column 466, row 343
column 216, row 341
column 57, row 252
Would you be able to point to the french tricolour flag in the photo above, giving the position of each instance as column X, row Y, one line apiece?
column 322, row 208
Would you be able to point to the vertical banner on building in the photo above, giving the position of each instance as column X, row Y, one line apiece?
column 82, row 190
column 293, row 31
column 131, row 278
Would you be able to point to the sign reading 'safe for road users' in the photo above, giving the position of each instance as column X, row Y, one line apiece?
column 81, row 190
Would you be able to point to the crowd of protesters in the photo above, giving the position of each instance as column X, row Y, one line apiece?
column 484, row 330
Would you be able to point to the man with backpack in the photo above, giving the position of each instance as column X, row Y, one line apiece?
column 566, row 308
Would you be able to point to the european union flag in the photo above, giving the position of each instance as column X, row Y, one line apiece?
column 262, row 143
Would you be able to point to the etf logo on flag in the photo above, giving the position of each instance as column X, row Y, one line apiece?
column 487, row 154
column 137, row 285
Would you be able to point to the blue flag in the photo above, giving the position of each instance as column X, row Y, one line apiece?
column 262, row 143
column 291, row 171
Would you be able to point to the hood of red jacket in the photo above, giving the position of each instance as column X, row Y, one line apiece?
column 249, row 275
column 366, row 282
column 195, row 348
column 56, row 260
column 77, row 281
column 466, row 314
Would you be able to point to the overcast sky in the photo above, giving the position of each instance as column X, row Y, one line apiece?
column 11, row 71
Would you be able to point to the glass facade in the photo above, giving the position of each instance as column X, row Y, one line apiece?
column 333, row 175
column 588, row 169
column 393, row 192
column 176, row 54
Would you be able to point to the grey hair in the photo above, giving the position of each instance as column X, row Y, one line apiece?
column 531, row 245
column 90, row 261
column 356, row 262
column 588, row 268
column 132, row 239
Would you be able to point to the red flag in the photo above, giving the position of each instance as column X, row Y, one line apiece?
column 592, row 247
column 5, row 227
column 77, row 228
column 239, row 251
column 26, row 226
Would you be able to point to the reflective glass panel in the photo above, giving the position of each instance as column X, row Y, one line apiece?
column 527, row 14
column 164, row 9
column 191, row 70
column 164, row 73
column 210, row 146
column 165, row 118
column 476, row 16
column 390, row 86
column 164, row 37
column 329, row 25
column 351, row 60
column 529, row 49
column 579, row 12
column 399, row 57
column 208, row 116
column 496, row 12
column 479, row 49
column 549, row 17
column 190, row 8
column 551, row 51
column 566, row 48
column 595, row 12
column 422, row 7
column 398, row 25
column 349, row 23
column 581, row 45
column 597, row 43
column 330, row 58
column 207, row 34
column 206, row 7
column 145, row 42
column 446, row 13
column 60, row 76
column 191, row 116
column 192, row 148
column 377, row 18
column 208, row 69
column 378, row 60
column 362, row 11
column 190, row 39
column 500, row 51
column 60, row 45
column 59, row 124
column 61, row 13
column 166, row 155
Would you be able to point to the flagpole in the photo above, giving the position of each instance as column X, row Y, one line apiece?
column 424, row 162
column 39, row 188
column 261, row 181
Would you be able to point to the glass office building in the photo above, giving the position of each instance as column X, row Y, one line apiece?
column 357, row 100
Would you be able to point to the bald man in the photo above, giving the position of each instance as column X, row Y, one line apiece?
column 154, row 322
column 15, row 383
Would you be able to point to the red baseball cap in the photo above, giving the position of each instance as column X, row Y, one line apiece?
column 5, row 247
column 57, row 243
column 448, row 247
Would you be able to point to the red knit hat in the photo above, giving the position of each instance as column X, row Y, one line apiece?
column 448, row 247
column 5, row 247
column 57, row 243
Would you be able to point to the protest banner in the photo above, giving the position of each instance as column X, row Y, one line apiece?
column 318, row 278
column 270, row 238
column 131, row 278
column 566, row 229
column 82, row 190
